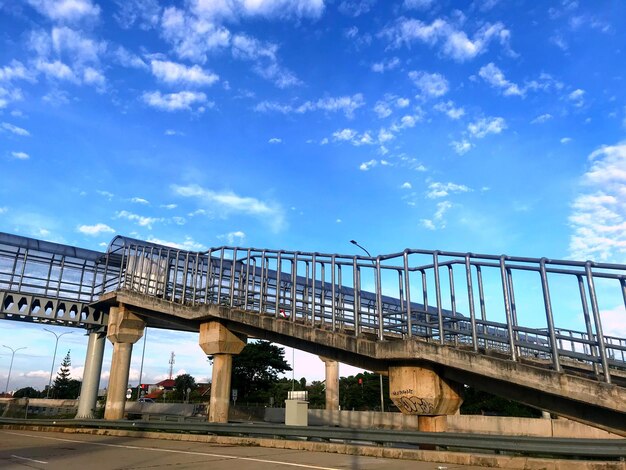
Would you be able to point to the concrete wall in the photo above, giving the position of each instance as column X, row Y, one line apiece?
column 500, row 425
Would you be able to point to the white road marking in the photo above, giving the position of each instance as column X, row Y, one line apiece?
column 30, row 460
column 171, row 451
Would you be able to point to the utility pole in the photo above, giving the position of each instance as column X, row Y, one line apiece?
column 172, row 361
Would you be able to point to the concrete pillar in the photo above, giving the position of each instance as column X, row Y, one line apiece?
column 125, row 329
column 332, row 383
column 419, row 390
column 218, row 341
column 91, row 376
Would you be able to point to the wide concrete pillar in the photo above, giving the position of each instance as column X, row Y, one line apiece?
column 332, row 383
column 419, row 390
column 125, row 328
column 91, row 376
column 218, row 341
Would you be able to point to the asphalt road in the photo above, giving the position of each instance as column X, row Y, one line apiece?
column 51, row 451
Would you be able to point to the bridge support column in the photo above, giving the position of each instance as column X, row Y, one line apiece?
column 332, row 383
column 218, row 341
column 91, row 376
column 125, row 329
column 419, row 390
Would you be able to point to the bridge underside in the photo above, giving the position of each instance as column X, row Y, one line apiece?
column 571, row 395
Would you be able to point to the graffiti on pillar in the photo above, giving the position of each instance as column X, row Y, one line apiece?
column 413, row 405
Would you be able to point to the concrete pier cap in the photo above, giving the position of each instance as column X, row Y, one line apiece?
column 420, row 390
column 218, row 341
column 124, row 326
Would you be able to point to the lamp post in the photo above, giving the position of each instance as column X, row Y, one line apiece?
column 13, row 351
column 380, row 376
column 54, row 356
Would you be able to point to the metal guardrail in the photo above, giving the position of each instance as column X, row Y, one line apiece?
column 414, row 293
column 582, row 448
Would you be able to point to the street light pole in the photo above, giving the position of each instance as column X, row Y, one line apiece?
column 380, row 376
column 13, row 351
column 54, row 357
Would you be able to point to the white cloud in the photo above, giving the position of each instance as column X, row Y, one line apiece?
column 144, row 13
column 141, row 220
column 183, row 100
column 450, row 109
column 385, row 65
column 382, row 109
column 229, row 202
column 9, row 95
column 494, row 77
column 139, row 200
column 192, row 37
column 566, row 140
column 406, row 185
column 169, row 206
column 438, row 220
column 598, row 215
column 452, row 42
column 232, row 9
column 233, row 238
column 20, row 155
column 66, row 10
column 352, row 136
column 461, row 147
column 170, row 132
column 431, row 85
column 16, row 71
column 92, row 76
column 79, row 48
column 179, row 74
column 438, row 190
column 95, row 230
column 485, row 126
column 56, row 70
column 402, row 102
column 384, row 136
column 542, row 118
column 14, row 129
column 346, row 104
column 265, row 58
column 418, row 4
column 365, row 166
column 275, row 140
column 577, row 97
column 127, row 59
column 189, row 244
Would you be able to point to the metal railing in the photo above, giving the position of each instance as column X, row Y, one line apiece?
column 464, row 300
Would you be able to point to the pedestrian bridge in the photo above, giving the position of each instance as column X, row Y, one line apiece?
column 538, row 331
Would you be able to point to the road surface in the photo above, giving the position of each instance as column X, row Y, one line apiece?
column 20, row 450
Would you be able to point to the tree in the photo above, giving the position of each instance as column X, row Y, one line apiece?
column 27, row 392
column 181, row 383
column 256, row 370
column 62, row 387
column 362, row 392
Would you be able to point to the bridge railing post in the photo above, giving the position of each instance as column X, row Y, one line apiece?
column 470, row 299
column 438, row 296
column 549, row 317
column 598, row 322
column 407, row 282
column 379, row 301
column 507, row 307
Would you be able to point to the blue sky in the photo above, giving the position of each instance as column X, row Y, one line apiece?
column 488, row 126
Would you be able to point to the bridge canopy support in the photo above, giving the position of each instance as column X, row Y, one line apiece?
column 420, row 390
column 332, row 383
column 125, row 329
column 218, row 341
column 91, row 376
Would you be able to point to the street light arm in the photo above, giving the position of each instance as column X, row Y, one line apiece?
column 354, row 242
